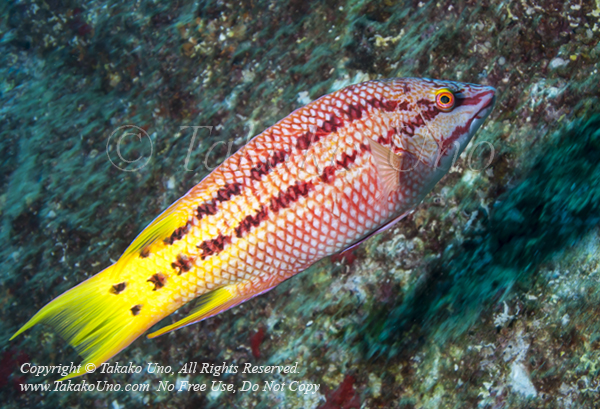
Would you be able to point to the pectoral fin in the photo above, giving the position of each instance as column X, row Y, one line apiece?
column 389, row 165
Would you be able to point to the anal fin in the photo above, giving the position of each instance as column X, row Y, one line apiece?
column 207, row 305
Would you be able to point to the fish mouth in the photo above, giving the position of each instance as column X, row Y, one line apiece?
column 488, row 99
column 489, row 104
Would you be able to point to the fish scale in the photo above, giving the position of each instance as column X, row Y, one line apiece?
column 280, row 237
column 317, row 182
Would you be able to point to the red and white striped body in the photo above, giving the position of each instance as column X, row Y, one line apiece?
column 308, row 187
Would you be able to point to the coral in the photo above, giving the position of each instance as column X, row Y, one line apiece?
column 344, row 397
column 255, row 340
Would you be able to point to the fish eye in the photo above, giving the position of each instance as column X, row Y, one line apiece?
column 444, row 99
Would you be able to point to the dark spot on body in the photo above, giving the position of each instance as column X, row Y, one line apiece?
column 118, row 288
column 305, row 140
column 214, row 246
column 183, row 264
column 328, row 174
column 354, row 112
column 178, row 234
column 135, row 310
column 387, row 138
column 206, row 209
column 225, row 193
column 291, row 194
column 403, row 106
column 348, row 159
column 332, row 125
column 159, row 280
column 263, row 168
column 251, row 221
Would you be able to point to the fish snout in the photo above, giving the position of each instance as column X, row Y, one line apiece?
column 488, row 100
column 482, row 100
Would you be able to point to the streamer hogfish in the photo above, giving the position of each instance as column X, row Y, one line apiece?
column 323, row 179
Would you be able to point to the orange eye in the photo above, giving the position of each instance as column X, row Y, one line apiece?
column 444, row 100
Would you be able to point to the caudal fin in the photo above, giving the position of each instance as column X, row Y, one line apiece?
column 93, row 319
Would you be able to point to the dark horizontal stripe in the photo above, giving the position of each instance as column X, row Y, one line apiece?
column 231, row 189
column 460, row 130
column 209, row 208
column 472, row 100
column 387, row 106
column 223, row 194
column 214, row 246
column 328, row 174
column 353, row 112
column 206, row 209
column 428, row 110
column 251, row 221
column 178, row 234
column 300, row 189
column 408, row 127
column 282, row 201
column 308, row 138
column 291, row 194
column 263, row 168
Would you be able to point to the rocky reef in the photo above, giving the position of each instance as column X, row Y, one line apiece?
column 486, row 296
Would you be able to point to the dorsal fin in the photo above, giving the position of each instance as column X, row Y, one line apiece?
column 160, row 228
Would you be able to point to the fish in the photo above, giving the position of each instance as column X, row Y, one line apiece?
column 322, row 180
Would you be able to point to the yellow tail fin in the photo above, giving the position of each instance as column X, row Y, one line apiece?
column 93, row 319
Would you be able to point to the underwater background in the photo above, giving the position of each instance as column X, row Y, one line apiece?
column 487, row 296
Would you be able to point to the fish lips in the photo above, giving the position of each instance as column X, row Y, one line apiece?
column 488, row 100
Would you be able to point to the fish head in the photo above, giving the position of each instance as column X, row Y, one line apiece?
column 439, row 119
